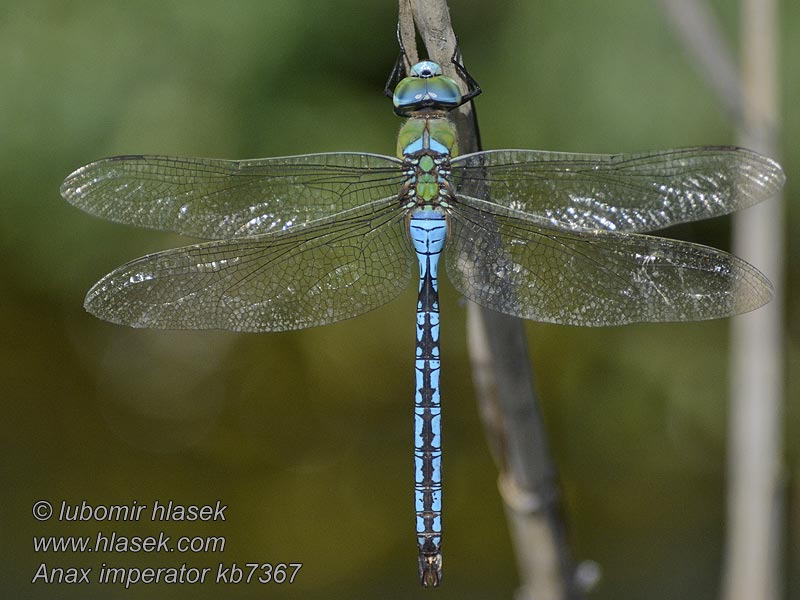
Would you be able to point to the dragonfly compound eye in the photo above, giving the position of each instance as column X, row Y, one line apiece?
column 418, row 92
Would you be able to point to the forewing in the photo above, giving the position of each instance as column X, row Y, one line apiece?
column 533, row 270
column 293, row 279
column 217, row 199
column 621, row 192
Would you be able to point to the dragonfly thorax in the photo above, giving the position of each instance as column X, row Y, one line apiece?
column 427, row 185
column 426, row 145
column 432, row 132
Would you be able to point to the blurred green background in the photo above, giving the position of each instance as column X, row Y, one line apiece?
column 307, row 436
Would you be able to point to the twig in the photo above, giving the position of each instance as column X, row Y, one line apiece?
column 755, row 512
column 695, row 25
column 755, row 480
column 503, row 378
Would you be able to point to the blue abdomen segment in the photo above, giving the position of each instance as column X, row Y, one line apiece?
column 428, row 232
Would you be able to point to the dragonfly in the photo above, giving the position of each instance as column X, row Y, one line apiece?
column 302, row 241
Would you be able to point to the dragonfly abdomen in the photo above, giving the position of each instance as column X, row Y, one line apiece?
column 428, row 232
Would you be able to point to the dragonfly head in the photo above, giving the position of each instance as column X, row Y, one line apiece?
column 426, row 69
column 425, row 89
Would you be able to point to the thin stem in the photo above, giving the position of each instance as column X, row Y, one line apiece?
column 503, row 376
column 755, row 484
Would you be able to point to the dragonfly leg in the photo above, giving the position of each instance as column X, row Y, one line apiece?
column 473, row 89
column 399, row 69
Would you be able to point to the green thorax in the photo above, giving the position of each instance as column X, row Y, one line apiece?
column 426, row 143
column 432, row 132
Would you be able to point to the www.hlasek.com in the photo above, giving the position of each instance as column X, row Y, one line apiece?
column 114, row 542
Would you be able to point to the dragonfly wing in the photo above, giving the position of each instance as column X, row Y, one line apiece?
column 533, row 270
column 620, row 192
column 298, row 278
column 218, row 199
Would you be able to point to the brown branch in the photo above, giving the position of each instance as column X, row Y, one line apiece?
column 503, row 376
